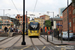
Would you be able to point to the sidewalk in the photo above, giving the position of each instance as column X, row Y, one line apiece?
column 3, row 38
column 58, row 42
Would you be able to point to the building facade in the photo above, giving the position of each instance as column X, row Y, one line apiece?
column 45, row 17
column 20, row 18
column 57, row 23
column 71, row 11
column 7, row 21
column 61, row 10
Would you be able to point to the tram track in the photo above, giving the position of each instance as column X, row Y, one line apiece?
column 44, row 44
column 34, row 47
column 11, row 47
column 50, row 48
column 7, row 41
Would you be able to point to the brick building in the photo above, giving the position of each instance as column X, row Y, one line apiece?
column 20, row 18
column 71, row 11
column 45, row 17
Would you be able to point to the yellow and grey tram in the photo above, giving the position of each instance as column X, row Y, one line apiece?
column 33, row 28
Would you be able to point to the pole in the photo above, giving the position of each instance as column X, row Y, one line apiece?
column 61, row 37
column 26, row 24
column 47, row 35
column 3, row 17
column 53, row 26
column 68, row 18
column 23, row 42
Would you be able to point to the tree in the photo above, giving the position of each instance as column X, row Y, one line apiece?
column 48, row 23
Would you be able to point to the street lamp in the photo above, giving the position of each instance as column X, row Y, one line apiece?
column 23, row 42
column 68, row 18
column 52, row 21
column 4, row 11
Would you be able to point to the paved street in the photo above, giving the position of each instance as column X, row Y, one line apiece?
column 14, row 43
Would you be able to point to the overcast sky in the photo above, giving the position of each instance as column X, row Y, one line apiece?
column 42, row 7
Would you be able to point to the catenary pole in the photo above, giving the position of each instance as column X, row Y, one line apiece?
column 23, row 42
column 68, row 18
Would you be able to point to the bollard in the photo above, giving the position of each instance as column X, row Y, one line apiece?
column 61, row 36
column 47, row 37
column 52, row 35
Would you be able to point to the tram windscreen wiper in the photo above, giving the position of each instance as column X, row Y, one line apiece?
column 34, row 26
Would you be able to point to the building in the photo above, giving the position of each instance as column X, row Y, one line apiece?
column 45, row 17
column 56, row 22
column 20, row 18
column 41, row 21
column 71, row 11
column 7, row 21
column 61, row 10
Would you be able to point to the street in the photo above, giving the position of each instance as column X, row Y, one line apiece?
column 14, row 43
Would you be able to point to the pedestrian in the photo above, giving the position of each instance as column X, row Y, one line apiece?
column 45, row 29
column 41, row 29
column 5, row 29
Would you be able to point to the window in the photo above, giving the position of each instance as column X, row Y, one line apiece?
column 21, row 19
column 18, row 17
column 6, row 21
column 74, row 20
column 74, row 11
column 70, row 24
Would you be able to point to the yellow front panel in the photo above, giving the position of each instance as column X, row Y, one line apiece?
column 33, row 33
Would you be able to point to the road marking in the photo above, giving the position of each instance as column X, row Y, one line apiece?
column 43, row 47
column 63, row 49
column 25, row 47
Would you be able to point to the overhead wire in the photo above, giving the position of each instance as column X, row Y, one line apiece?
column 15, row 6
column 35, row 6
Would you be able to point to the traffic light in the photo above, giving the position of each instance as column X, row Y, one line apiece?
column 51, row 23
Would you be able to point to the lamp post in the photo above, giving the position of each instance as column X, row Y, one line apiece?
column 4, row 11
column 68, row 18
column 53, row 21
column 26, row 24
column 23, row 42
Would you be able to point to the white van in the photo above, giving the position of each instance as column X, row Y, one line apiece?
column 65, row 35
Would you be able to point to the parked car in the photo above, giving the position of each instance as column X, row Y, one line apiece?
column 65, row 36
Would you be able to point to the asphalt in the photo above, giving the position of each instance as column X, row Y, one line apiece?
column 55, row 44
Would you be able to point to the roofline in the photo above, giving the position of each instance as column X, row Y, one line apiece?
column 67, row 7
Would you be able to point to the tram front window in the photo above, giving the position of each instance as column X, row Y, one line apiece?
column 34, row 26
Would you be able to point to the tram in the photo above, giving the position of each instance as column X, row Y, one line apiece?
column 33, row 29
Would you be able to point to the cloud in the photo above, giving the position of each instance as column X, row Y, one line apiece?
column 42, row 6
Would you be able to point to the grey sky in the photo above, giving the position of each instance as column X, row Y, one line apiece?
column 42, row 6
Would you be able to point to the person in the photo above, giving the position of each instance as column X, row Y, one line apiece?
column 5, row 29
column 45, row 29
column 41, row 29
